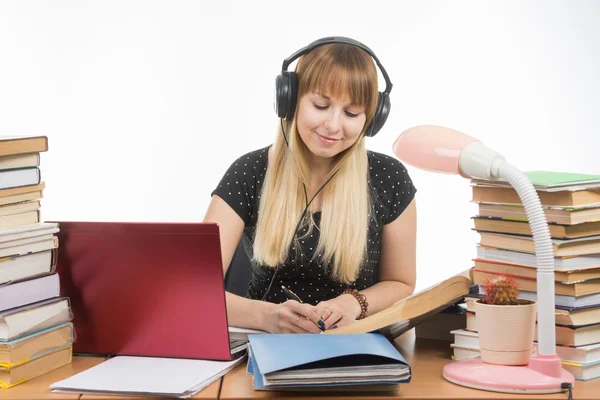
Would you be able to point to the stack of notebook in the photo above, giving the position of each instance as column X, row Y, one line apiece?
column 571, row 203
column 36, row 335
column 304, row 361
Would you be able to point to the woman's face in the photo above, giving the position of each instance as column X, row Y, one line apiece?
column 328, row 125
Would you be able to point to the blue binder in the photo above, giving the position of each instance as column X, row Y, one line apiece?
column 324, row 360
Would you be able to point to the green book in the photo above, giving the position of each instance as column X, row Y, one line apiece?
column 548, row 179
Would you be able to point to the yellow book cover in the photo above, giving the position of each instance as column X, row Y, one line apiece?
column 20, row 351
column 27, row 371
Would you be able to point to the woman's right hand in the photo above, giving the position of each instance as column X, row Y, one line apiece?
column 292, row 317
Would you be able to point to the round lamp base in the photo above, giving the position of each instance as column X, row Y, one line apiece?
column 476, row 374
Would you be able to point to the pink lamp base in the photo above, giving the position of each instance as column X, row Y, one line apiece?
column 476, row 374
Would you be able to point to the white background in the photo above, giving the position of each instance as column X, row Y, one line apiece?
column 147, row 103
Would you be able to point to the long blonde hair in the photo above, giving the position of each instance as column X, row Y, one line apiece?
column 339, row 70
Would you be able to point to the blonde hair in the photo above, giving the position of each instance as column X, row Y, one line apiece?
column 338, row 70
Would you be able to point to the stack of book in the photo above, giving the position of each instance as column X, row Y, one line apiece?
column 36, row 334
column 571, row 204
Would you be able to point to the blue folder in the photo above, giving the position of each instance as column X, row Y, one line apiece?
column 271, row 354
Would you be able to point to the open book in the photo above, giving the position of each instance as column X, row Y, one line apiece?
column 410, row 311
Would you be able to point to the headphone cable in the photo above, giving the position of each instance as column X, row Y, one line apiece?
column 308, row 203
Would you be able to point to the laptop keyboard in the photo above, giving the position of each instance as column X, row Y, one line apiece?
column 236, row 342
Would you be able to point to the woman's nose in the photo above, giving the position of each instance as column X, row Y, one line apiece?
column 334, row 122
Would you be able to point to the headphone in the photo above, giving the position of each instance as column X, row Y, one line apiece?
column 286, row 85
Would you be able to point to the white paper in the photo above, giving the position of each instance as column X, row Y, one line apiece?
column 147, row 375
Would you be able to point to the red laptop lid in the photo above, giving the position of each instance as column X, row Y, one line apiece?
column 145, row 289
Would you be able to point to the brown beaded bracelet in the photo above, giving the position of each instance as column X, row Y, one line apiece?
column 362, row 300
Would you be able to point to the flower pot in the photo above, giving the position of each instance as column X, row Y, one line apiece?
column 506, row 332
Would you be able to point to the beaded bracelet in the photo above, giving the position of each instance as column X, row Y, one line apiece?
column 362, row 300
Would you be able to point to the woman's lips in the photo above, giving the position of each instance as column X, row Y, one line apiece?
column 326, row 140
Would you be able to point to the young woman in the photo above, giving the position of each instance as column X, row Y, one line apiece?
column 330, row 227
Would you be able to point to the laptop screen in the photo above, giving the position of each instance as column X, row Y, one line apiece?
column 145, row 289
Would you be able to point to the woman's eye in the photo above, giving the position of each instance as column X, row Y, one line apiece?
column 351, row 115
column 318, row 107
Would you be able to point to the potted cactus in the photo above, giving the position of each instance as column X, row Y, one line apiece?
column 505, row 323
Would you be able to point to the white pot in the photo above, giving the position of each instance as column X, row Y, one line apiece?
column 506, row 332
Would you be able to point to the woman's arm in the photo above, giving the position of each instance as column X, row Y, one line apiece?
column 397, row 273
column 249, row 313
column 398, row 262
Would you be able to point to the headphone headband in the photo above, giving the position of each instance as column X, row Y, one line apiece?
column 286, row 85
column 339, row 39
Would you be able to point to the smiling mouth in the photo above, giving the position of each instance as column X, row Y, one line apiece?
column 327, row 138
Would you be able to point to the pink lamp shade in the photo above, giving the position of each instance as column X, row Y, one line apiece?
column 432, row 148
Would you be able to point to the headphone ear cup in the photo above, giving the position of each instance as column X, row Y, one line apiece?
column 279, row 101
column 381, row 115
column 286, row 89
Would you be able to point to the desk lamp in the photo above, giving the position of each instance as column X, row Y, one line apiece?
column 444, row 150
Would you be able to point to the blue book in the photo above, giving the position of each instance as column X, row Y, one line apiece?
column 284, row 361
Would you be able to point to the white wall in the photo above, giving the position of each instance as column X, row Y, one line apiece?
column 146, row 103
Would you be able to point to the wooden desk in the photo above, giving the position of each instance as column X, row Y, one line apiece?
column 427, row 358
column 38, row 388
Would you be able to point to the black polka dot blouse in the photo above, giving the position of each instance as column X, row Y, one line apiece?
column 391, row 190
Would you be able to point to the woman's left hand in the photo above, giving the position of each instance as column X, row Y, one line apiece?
column 340, row 311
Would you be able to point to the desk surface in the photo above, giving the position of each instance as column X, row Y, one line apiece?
column 427, row 358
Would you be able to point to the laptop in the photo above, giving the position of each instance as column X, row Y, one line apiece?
column 146, row 289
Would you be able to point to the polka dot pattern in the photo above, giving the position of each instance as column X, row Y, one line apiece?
column 391, row 190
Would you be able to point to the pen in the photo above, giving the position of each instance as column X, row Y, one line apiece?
column 291, row 295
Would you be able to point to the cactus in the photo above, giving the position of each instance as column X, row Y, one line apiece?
column 501, row 290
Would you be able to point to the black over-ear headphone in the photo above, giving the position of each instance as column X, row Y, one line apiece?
column 286, row 85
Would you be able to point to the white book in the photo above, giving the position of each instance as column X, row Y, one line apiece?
column 529, row 260
column 583, row 372
column 19, row 177
column 25, row 241
column 168, row 377
column 26, row 292
column 30, row 230
column 22, row 267
column 462, row 353
column 21, row 321
column 33, row 247
column 466, row 339
column 582, row 354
